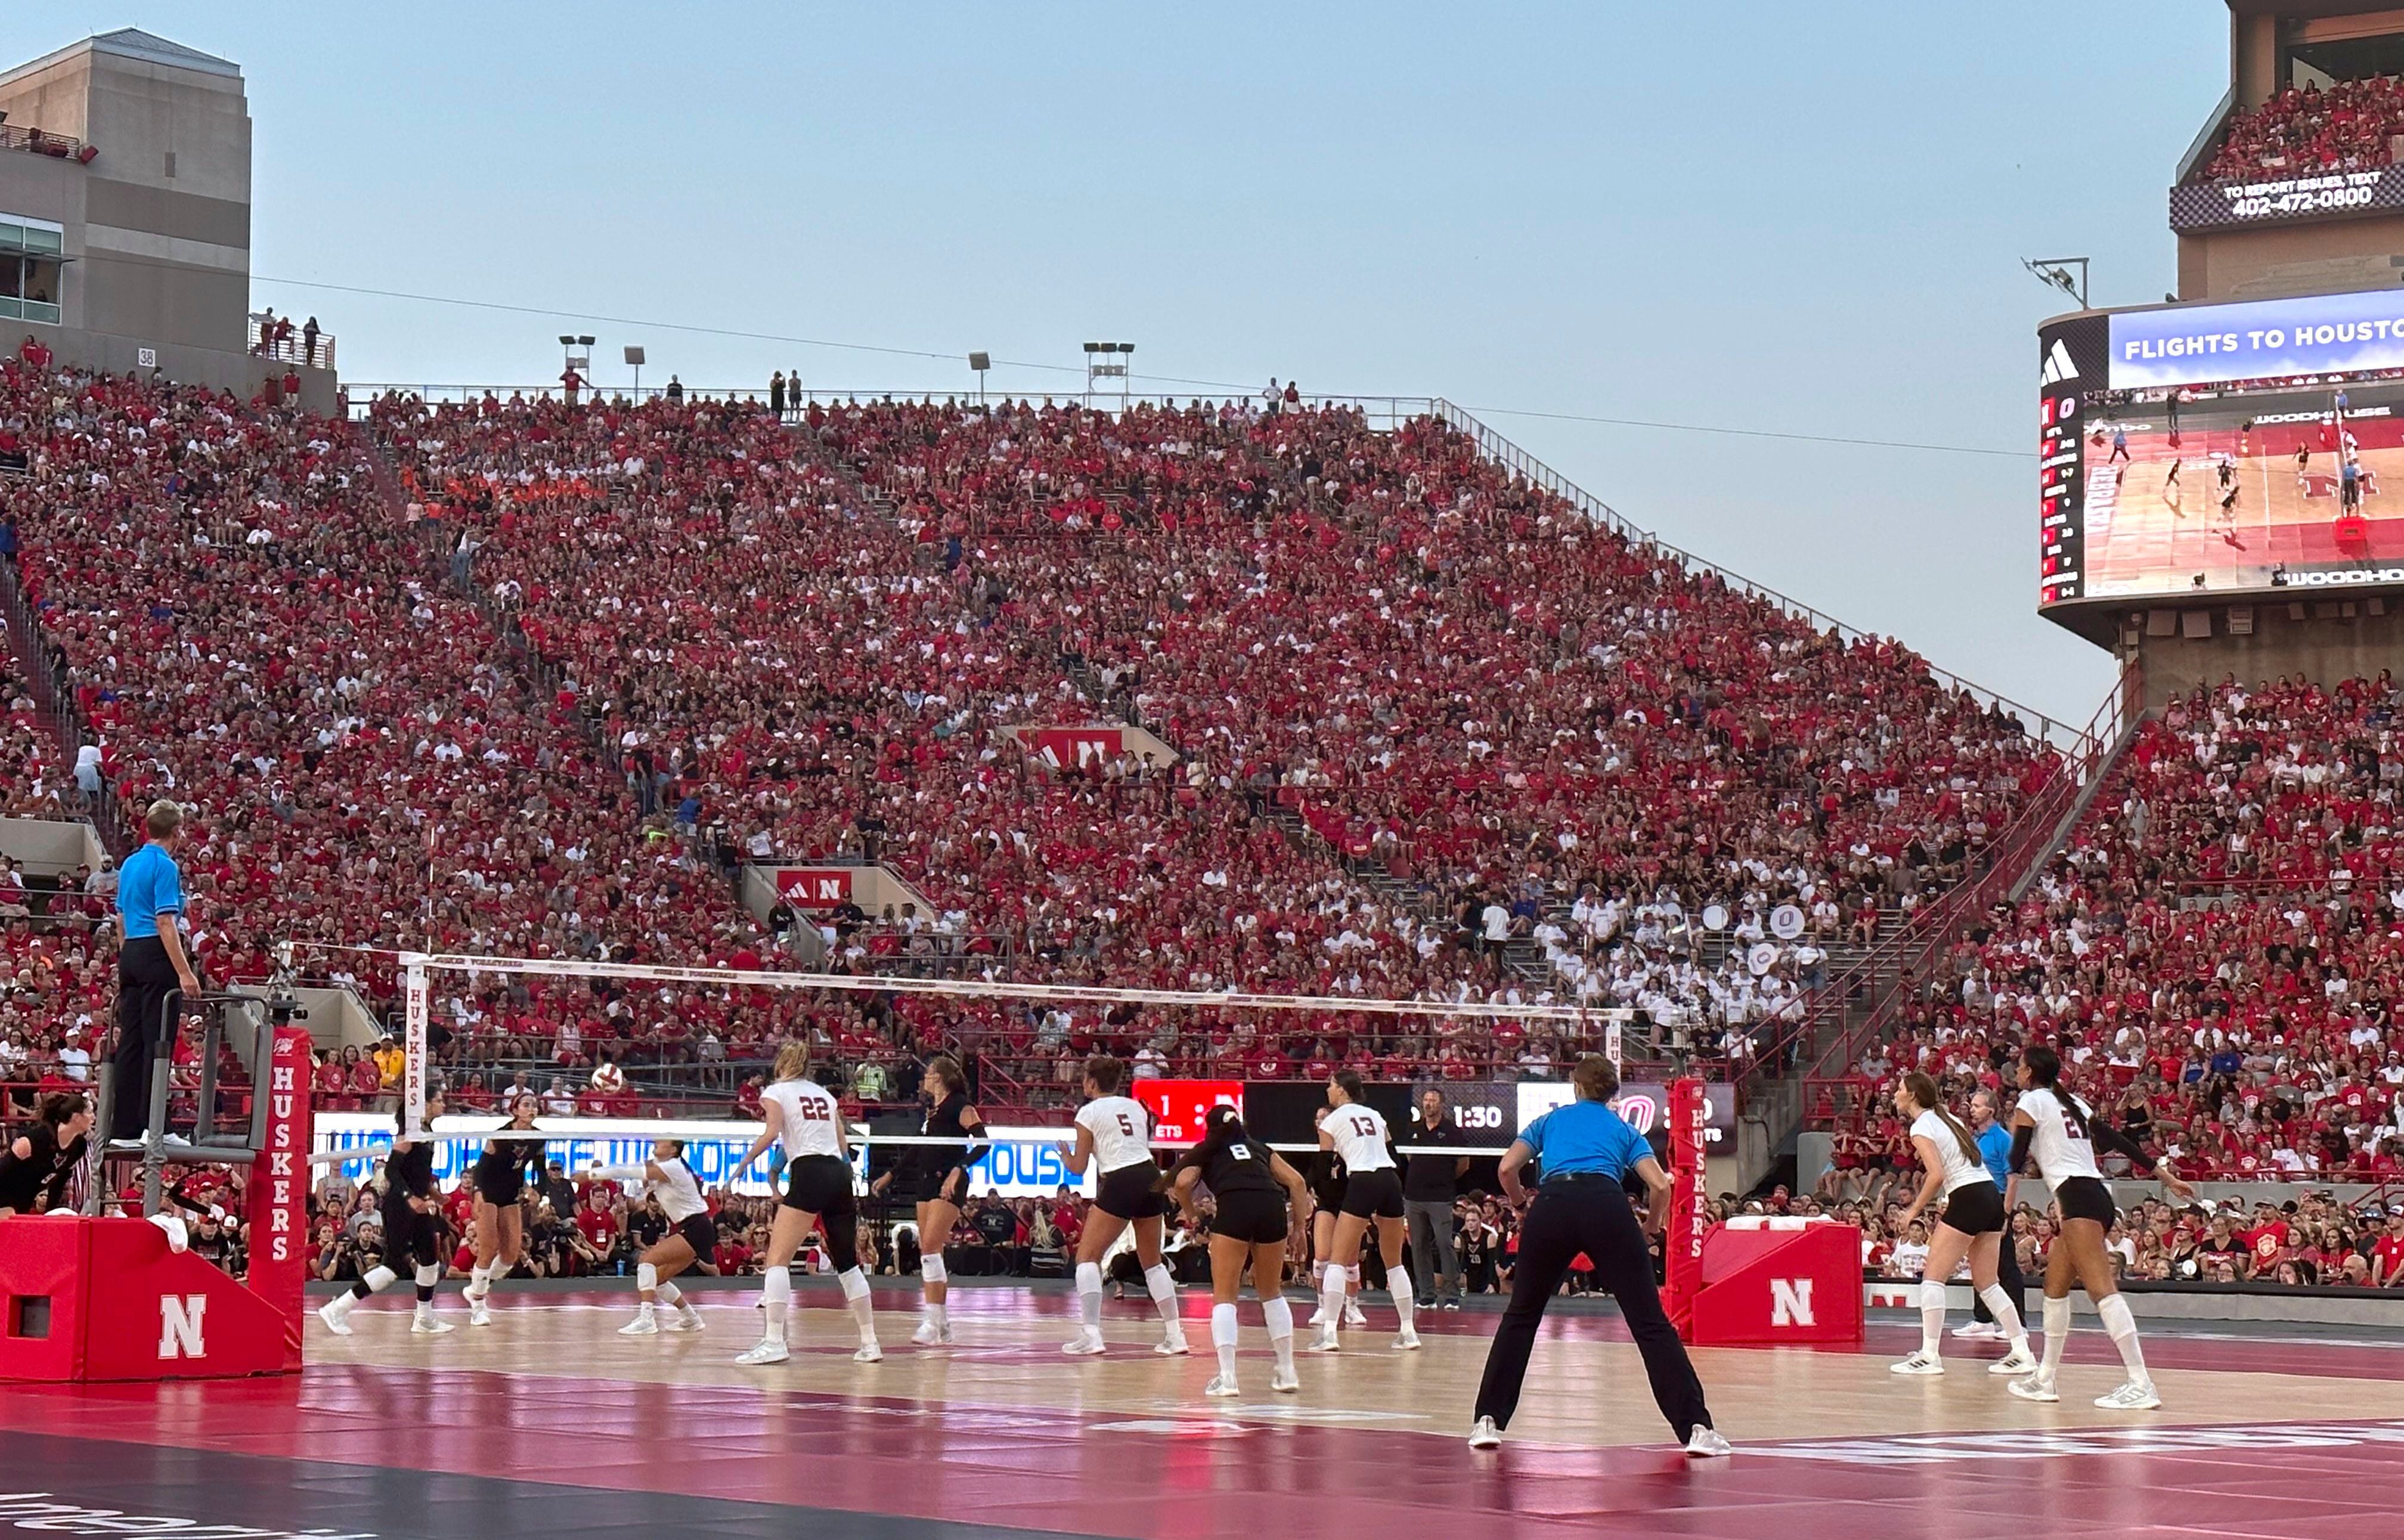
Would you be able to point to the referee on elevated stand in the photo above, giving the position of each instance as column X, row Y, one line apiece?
column 151, row 967
column 1585, row 1152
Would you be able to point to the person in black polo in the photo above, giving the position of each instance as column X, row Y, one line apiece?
column 1430, row 1184
column 151, row 966
column 1587, row 1152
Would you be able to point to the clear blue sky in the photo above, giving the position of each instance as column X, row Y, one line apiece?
column 1781, row 217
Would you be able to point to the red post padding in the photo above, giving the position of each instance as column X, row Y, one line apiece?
column 119, row 1304
column 106, row 1299
column 1763, row 1286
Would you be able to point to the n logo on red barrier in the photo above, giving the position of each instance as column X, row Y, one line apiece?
column 1790, row 1302
column 179, row 1326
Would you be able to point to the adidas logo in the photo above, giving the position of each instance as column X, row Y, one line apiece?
column 2057, row 366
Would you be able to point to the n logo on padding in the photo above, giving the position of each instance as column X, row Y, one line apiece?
column 1790, row 1302
column 179, row 1326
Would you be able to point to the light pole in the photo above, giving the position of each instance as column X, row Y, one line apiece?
column 2055, row 272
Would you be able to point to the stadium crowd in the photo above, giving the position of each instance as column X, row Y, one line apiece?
column 2218, row 950
column 2351, row 125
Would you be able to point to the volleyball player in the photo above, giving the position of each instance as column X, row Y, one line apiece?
column 1973, row 1225
column 1327, row 1183
column 937, row 1178
column 1252, row 1225
column 668, row 1177
column 1114, row 1133
column 499, row 1177
column 2056, row 1131
column 412, row 1238
column 35, row 1164
column 802, row 1114
column 1372, row 1191
column 1588, row 1151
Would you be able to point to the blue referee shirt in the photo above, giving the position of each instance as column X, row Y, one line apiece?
column 1995, row 1148
column 1585, row 1135
column 147, row 886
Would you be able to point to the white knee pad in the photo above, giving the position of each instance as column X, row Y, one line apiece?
column 776, row 1285
column 647, row 1278
column 378, row 1278
column 1089, row 1278
column 932, row 1269
column 1932, row 1293
column 1223, row 1325
column 429, row 1275
column 670, row 1293
column 854, row 1281
column 1279, row 1316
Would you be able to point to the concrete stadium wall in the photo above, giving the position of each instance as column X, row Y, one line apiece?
column 51, row 846
column 2325, row 637
column 2318, row 257
column 238, row 372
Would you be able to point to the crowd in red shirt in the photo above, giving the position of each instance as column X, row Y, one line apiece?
column 2351, row 126
column 2218, row 950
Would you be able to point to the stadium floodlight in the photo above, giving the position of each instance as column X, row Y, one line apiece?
column 635, row 357
column 980, row 362
column 1106, row 361
column 2056, row 271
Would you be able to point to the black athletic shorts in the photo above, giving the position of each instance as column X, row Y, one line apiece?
column 932, row 1187
column 1975, row 1207
column 1127, row 1192
column 819, row 1184
column 502, row 1191
column 2085, row 1198
column 1377, row 1194
column 410, row 1240
column 700, row 1232
column 1257, row 1219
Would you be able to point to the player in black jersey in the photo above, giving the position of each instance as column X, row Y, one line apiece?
column 1254, row 1225
column 34, row 1166
column 935, row 1178
column 412, row 1233
column 1327, row 1183
column 500, row 1175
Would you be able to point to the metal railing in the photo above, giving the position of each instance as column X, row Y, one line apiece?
column 58, row 146
column 287, row 343
column 1876, row 987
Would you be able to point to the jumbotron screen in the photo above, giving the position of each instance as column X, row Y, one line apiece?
column 2206, row 450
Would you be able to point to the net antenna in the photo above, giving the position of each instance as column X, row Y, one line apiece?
column 417, row 969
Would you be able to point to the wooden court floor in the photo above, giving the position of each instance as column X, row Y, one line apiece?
column 547, row 1419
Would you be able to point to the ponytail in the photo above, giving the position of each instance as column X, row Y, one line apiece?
column 1923, row 1089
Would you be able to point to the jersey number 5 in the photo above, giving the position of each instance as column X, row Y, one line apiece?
column 1126, row 1125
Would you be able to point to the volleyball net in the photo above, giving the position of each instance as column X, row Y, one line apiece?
column 1485, row 1106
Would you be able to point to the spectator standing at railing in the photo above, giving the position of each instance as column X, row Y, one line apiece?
column 151, row 965
column 309, row 343
column 776, row 393
column 675, row 391
column 570, row 383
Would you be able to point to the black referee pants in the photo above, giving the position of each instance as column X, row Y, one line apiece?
column 1591, row 1216
column 144, row 979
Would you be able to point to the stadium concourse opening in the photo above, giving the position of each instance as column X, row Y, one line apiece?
column 905, row 964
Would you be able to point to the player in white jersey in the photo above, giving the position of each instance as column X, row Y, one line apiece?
column 1973, row 1225
column 1115, row 1132
column 2056, row 1129
column 691, row 1239
column 802, row 1114
column 1373, row 1190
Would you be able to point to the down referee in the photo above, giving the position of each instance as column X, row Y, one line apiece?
column 1586, row 1151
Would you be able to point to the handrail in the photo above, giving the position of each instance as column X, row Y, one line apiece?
column 2007, row 856
column 58, row 146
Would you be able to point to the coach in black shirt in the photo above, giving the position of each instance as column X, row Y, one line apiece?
column 1430, row 1184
